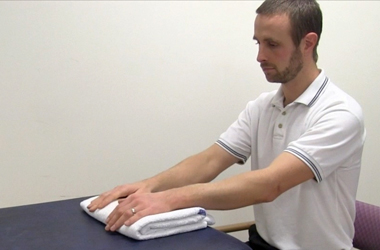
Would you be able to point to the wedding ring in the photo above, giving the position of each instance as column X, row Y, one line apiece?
column 133, row 211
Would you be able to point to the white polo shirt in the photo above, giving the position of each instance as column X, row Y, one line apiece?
column 324, row 128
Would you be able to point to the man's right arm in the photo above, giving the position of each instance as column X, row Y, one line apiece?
column 200, row 168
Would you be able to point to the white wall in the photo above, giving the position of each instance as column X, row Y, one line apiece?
column 96, row 94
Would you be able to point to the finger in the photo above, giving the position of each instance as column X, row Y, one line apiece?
column 94, row 204
column 140, row 213
column 118, row 216
column 120, row 222
column 120, row 200
column 115, row 214
column 107, row 197
column 106, row 200
column 99, row 202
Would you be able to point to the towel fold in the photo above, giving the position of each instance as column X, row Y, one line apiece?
column 158, row 225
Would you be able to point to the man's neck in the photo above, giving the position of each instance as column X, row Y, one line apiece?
column 293, row 89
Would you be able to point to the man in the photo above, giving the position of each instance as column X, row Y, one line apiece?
column 305, row 142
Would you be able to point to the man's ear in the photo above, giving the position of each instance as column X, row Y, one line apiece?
column 310, row 41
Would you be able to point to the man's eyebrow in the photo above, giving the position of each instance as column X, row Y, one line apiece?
column 266, row 39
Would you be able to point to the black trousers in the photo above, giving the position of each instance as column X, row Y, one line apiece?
column 256, row 242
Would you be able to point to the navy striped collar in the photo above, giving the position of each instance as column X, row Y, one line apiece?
column 319, row 92
column 310, row 95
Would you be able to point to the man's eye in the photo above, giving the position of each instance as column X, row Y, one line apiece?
column 272, row 44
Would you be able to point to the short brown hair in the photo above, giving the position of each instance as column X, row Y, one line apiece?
column 305, row 16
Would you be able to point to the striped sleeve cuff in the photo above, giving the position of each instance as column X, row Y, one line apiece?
column 243, row 159
column 305, row 158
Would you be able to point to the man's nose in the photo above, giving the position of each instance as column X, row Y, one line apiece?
column 261, row 55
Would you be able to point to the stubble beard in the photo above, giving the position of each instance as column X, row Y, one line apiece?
column 290, row 72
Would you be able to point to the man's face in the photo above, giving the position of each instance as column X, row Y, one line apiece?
column 280, row 60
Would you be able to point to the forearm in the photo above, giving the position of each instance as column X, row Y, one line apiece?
column 199, row 168
column 239, row 191
column 182, row 174
column 253, row 187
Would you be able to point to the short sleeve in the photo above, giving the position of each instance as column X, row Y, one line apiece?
column 334, row 140
column 237, row 138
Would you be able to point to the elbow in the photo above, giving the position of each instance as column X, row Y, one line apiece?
column 271, row 193
column 268, row 198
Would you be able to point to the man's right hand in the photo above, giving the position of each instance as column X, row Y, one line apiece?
column 116, row 193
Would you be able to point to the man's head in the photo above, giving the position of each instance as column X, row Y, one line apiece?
column 287, row 32
column 305, row 16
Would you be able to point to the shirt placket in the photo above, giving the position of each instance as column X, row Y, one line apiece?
column 280, row 124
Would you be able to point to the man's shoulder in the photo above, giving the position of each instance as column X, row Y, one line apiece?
column 336, row 98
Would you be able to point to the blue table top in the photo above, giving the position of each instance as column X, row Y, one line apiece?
column 64, row 225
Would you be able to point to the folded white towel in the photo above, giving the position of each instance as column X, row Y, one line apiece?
column 158, row 225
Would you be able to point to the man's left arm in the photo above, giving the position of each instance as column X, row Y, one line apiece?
column 253, row 187
column 245, row 189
